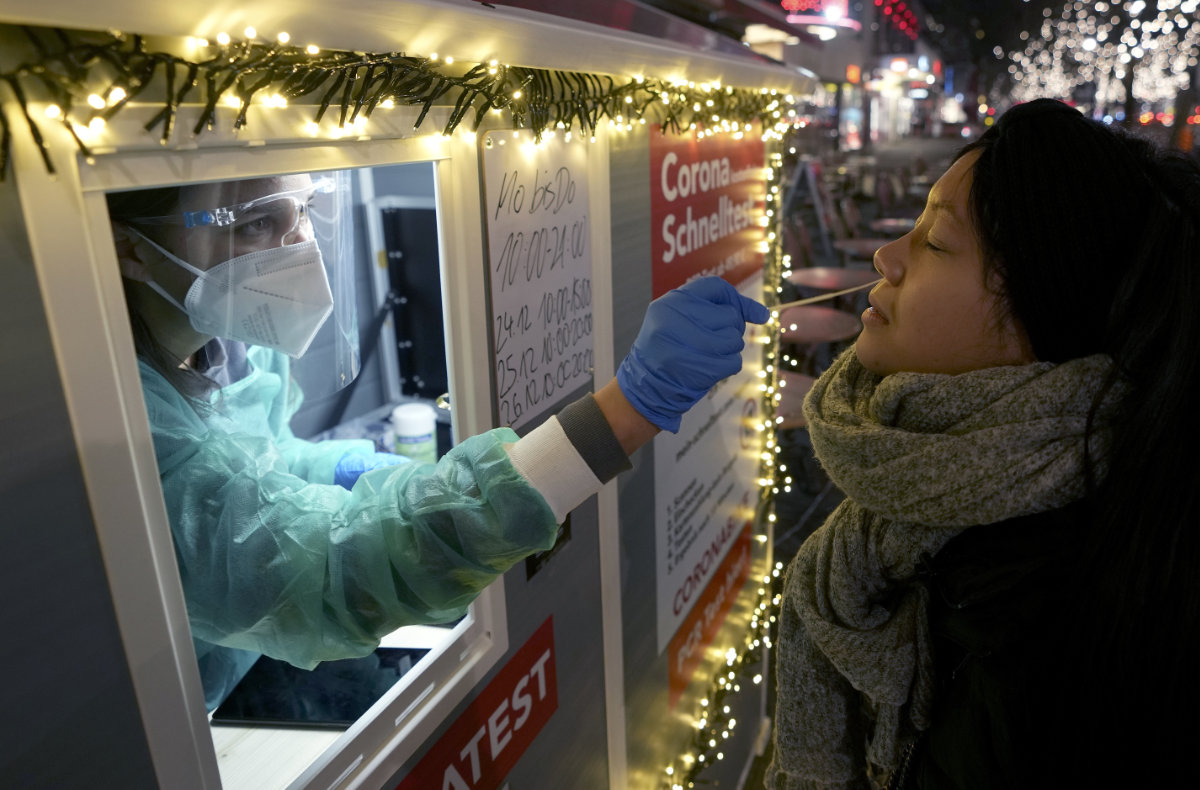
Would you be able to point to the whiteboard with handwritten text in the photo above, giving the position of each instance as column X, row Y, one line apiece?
column 539, row 271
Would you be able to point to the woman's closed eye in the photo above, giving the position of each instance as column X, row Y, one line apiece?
column 934, row 243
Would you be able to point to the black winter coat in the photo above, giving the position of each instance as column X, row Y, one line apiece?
column 995, row 616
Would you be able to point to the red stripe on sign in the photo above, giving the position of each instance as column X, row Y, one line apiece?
column 701, row 625
column 486, row 740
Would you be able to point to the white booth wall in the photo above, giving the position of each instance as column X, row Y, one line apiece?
column 75, row 717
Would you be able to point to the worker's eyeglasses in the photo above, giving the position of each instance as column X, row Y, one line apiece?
column 276, row 214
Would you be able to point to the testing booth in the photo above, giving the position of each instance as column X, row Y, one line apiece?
column 515, row 188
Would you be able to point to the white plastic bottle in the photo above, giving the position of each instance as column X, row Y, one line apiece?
column 415, row 428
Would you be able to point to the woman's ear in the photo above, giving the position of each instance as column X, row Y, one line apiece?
column 130, row 247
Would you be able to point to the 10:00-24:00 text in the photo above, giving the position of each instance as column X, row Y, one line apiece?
column 544, row 250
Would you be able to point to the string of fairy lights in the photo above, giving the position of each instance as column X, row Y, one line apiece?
column 1094, row 44
column 85, row 79
column 82, row 80
column 712, row 717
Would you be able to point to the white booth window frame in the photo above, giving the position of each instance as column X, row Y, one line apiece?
column 70, row 234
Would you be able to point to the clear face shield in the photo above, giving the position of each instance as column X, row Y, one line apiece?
column 268, row 262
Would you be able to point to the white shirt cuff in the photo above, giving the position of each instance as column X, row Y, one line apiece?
column 547, row 459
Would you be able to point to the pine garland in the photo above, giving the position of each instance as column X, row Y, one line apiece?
column 354, row 84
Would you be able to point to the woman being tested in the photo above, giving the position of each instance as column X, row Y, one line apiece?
column 309, row 552
column 1008, row 595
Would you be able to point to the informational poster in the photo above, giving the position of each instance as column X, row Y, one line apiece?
column 539, row 271
column 707, row 200
column 700, row 627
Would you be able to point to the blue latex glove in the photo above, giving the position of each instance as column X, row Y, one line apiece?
column 690, row 339
column 354, row 465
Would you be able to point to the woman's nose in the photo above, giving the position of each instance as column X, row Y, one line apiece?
column 889, row 260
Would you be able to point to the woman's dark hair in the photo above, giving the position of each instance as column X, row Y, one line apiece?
column 1094, row 234
column 126, row 208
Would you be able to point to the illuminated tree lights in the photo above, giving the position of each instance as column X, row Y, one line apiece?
column 1109, row 46
column 87, row 78
column 900, row 16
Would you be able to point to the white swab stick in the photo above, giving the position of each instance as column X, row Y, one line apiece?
column 823, row 297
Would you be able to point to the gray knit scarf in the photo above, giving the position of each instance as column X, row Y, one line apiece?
column 920, row 458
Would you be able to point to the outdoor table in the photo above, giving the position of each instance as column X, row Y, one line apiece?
column 918, row 186
column 831, row 278
column 859, row 248
column 895, row 226
column 810, row 324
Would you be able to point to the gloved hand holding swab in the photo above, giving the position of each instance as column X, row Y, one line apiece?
column 691, row 338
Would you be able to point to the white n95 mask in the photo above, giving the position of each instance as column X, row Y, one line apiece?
column 277, row 297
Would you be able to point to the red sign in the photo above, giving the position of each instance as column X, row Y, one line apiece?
column 486, row 740
column 706, row 203
column 697, row 631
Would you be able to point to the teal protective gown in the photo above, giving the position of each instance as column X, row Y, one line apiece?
column 277, row 560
